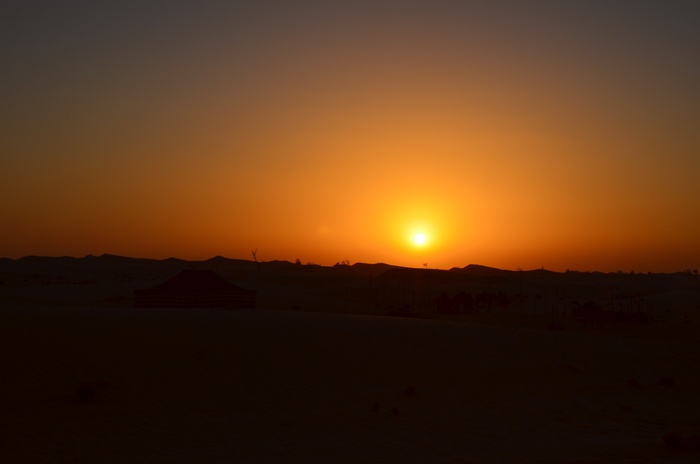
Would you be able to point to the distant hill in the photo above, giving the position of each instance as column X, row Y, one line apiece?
column 483, row 271
column 364, row 287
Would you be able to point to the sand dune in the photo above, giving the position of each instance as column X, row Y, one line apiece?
column 124, row 385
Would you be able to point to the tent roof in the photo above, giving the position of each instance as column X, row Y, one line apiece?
column 191, row 281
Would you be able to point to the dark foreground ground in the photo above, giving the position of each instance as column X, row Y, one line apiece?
column 112, row 385
column 318, row 373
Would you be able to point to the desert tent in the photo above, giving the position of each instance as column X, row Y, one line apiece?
column 195, row 289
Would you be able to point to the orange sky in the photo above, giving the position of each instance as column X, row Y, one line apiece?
column 557, row 136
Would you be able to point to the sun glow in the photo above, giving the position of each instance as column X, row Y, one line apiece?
column 419, row 239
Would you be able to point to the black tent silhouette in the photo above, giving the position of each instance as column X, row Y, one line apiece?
column 195, row 289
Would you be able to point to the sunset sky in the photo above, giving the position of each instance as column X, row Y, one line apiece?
column 510, row 133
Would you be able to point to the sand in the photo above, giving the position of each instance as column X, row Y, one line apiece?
column 117, row 385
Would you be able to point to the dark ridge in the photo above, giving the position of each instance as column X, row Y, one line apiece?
column 476, row 274
column 35, row 259
column 107, row 258
column 114, row 257
column 542, row 272
column 279, row 262
column 223, row 262
column 399, row 273
column 378, row 267
column 277, row 265
column 484, row 271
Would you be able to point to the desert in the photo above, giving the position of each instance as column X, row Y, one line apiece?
column 337, row 231
column 319, row 372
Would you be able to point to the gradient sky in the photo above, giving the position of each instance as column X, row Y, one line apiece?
column 512, row 134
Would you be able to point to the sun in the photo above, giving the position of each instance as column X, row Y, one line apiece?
column 419, row 239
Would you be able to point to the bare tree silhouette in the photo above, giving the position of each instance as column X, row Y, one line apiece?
column 255, row 258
